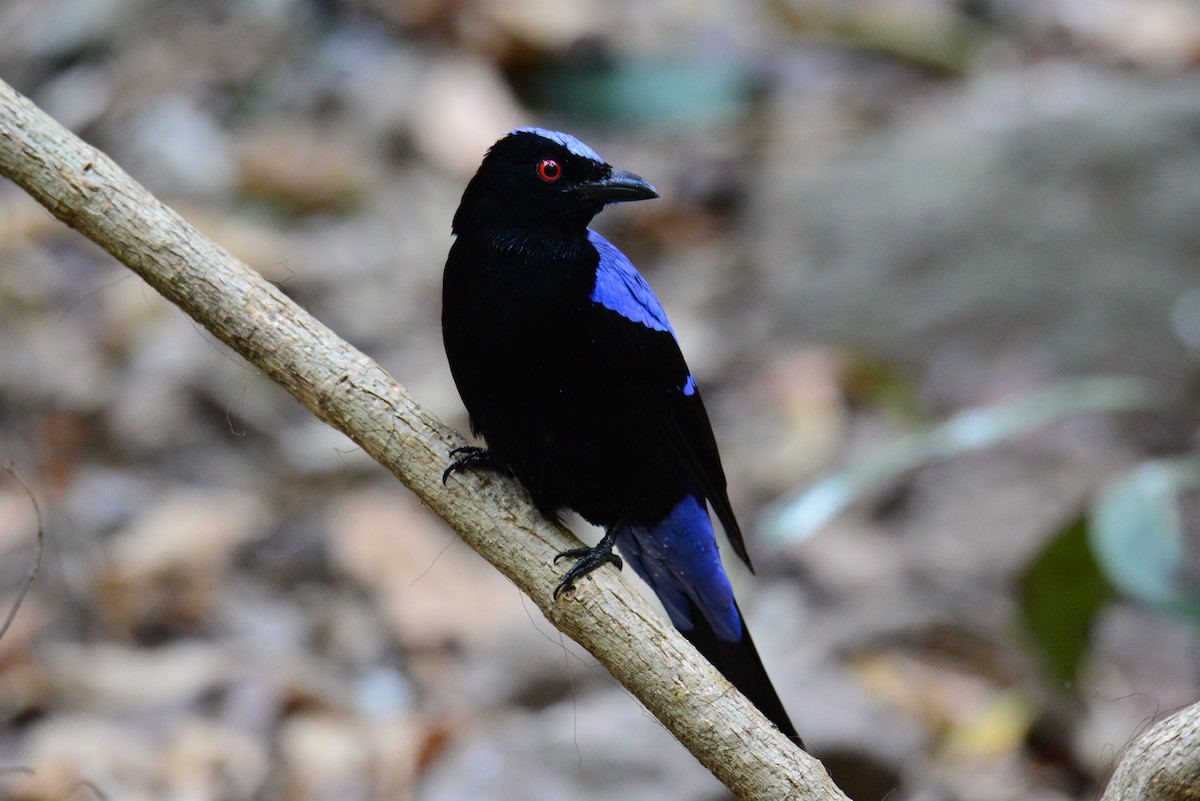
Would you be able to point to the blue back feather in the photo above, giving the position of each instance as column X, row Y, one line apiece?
column 620, row 287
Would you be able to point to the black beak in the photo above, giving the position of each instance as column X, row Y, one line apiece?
column 619, row 186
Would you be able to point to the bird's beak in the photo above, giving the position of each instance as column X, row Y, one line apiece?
column 619, row 186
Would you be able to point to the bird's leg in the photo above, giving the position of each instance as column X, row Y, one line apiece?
column 470, row 457
column 588, row 559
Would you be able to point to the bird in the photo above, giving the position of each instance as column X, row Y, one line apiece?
column 572, row 375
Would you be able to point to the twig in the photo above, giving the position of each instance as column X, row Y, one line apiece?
column 31, row 576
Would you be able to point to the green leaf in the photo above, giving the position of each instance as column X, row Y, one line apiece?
column 1060, row 594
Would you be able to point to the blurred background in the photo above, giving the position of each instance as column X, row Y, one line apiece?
column 935, row 263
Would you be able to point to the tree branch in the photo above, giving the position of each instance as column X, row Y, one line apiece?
column 1163, row 764
column 85, row 189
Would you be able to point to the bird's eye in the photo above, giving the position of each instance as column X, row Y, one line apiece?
column 549, row 170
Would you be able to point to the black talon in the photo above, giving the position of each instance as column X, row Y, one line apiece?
column 472, row 457
column 588, row 559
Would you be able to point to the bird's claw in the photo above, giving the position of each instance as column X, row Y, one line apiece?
column 469, row 457
column 587, row 560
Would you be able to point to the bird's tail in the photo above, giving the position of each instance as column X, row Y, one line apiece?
column 678, row 558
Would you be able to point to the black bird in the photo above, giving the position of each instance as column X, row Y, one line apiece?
column 571, row 372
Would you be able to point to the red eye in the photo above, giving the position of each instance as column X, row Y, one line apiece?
column 549, row 170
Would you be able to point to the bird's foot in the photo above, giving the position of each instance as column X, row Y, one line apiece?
column 470, row 457
column 587, row 560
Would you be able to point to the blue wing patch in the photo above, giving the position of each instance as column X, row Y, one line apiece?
column 620, row 287
column 566, row 140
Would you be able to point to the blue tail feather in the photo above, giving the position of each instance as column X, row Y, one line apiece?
column 678, row 558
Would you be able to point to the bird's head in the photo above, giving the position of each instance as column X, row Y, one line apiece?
column 540, row 180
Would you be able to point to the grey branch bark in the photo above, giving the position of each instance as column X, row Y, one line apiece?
column 88, row 191
column 1163, row 764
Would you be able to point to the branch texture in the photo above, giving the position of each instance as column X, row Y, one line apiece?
column 85, row 189
column 1163, row 764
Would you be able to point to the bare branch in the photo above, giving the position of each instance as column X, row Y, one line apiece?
column 85, row 189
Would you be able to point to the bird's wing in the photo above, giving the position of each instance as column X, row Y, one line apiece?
column 690, row 433
column 652, row 357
